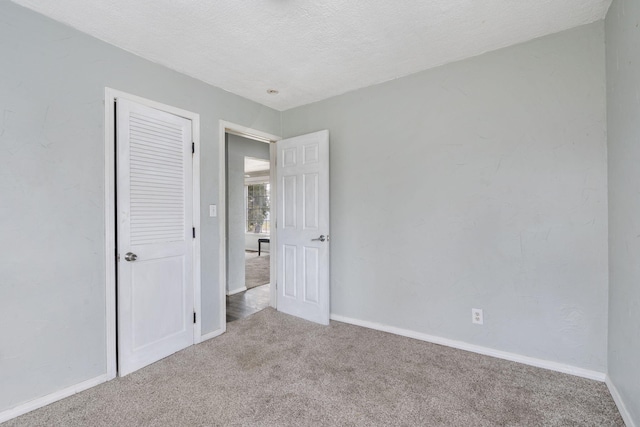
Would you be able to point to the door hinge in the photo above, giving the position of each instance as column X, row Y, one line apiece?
column 194, row 317
column 194, row 232
column 193, row 148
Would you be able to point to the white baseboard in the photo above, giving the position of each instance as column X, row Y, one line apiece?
column 50, row 398
column 624, row 412
column 213, row 334
column 236, row 291
column 540, row 363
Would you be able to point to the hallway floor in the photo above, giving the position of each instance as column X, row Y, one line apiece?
column 246, row 303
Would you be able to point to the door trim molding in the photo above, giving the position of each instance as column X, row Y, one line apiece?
column 110, row 96
column 258, row 135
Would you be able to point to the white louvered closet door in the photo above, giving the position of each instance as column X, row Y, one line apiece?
column 154, row 223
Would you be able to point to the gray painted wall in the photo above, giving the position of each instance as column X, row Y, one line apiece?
column 623, row 127
column 237, row 149
column 477, row 184
column 52, row 274
column 481, row 184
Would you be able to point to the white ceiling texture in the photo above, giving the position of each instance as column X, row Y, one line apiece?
column 310, row 50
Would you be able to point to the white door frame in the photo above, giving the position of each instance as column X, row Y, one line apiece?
column 110, row 96
column 250, row 133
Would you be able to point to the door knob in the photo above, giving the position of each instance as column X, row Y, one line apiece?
column 130, row 256
column 321, row 238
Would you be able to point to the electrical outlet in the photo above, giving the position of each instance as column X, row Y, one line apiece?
column 476, row 316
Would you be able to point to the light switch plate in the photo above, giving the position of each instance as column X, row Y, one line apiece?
column 213, row 211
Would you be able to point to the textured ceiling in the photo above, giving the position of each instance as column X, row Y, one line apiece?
column 313, row 49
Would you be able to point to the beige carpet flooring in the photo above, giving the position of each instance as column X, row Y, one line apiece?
column 271, row 369
column 256, row 269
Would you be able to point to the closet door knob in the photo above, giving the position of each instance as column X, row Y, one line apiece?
column 130, row 256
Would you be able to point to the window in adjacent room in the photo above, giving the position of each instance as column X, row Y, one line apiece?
column 258, row 202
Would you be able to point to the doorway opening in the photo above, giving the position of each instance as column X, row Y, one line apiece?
column 248, row 228
column 299, row 188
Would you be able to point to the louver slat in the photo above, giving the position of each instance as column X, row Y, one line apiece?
column 157, row 181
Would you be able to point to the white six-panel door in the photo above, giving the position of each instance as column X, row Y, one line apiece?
column 302, row 173
column 154, row 228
